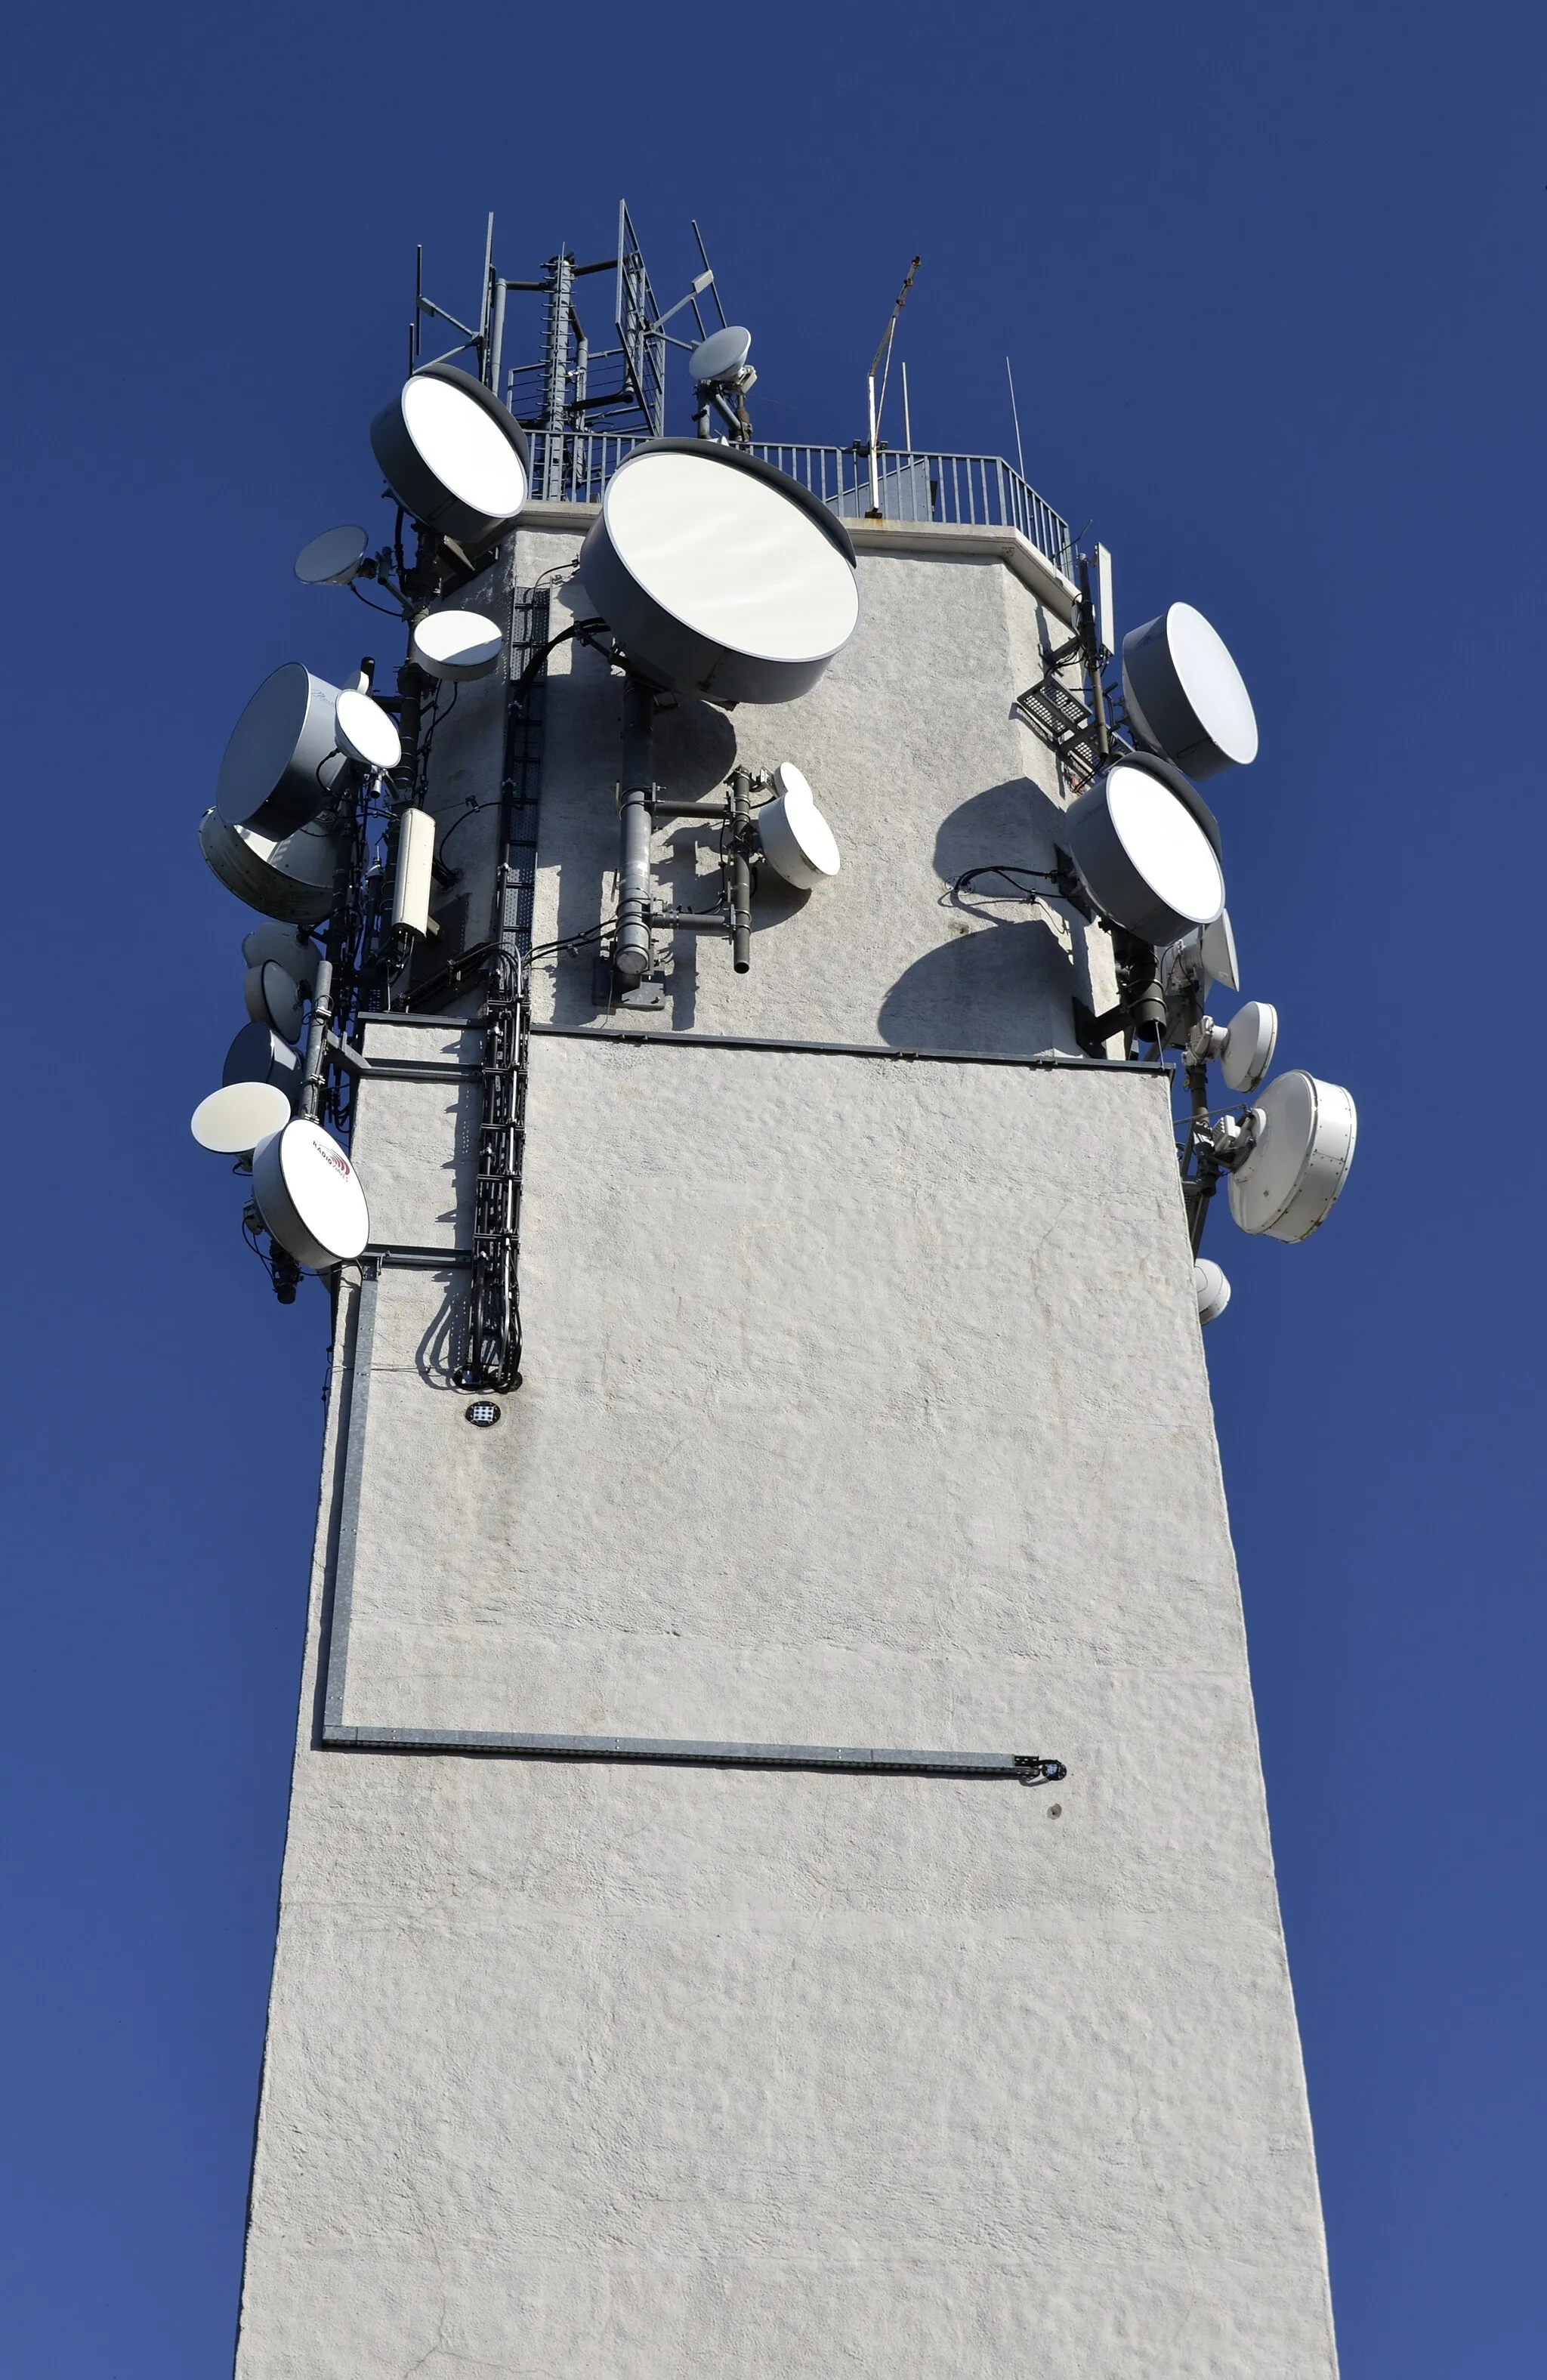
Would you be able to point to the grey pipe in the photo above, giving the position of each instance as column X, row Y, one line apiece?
column 631, row 949
column 316, row 1042
column 742, row 873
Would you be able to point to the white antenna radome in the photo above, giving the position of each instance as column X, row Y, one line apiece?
column 288, row 949
column 1147, row 861
column 414, row 880
column 333, row 559
column 260, row 1055
column 457, row 645
column 1185, row 694
column 309, row 1194
column 1210, row 1281
column 722, row 355
column 1301, row 1135
column 283, row 759
column 797, row 842
column 453, row 456
column 235, row 1120
column 274, row 997
column 365, row 731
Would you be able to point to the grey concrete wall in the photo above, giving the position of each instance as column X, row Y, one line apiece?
column 864, row 1402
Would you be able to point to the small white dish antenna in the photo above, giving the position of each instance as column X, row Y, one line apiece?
column 1185, row 694
column 274, row 997
column 333, row 559
column 234, row 1120
column 797, row 842
column 290, row 879
column 722, row 355
column 288, row 949
column 308, row 1194
column 1207, row 955
column 453, row 456
column 1147, row 861
column 719, row 576
column 1213, row 1289
column 259, row 1055
column 1301, row 1134
column 457, row 645
column 1247, row 1045
column 365, row 731
column 283, row 761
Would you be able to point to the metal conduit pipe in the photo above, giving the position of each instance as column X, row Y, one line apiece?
column 742, row 873
column 631, row 949
column 316, row 1041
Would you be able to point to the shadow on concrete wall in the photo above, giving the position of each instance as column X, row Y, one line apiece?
column 1002, row 979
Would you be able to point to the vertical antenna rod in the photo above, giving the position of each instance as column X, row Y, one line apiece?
column 883, row 349
column 1015, row 416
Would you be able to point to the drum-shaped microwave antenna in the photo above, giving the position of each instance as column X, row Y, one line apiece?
column 309, row 1194
column 333, row 559
column 1213, row 1287
column 290, row 877
column 259, row 1055
column 289, row 950
column 457, row 645
column 452, row 456
column 274, row 997
column 283, row 761
column 1186, row 696
column 234, row 1120
column 365, row 731
column 1302, row 1135
column 1250, row 1041
column 721, row 356
column 719, row 576
column 797, row 842
column 1147, row 861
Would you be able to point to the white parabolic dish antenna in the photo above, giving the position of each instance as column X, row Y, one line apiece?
column 233, row 1120
column 333, row 559
column 797, row 842
column 289, row 878
column 1250, row 1039
column 365, row 731
column 1185, row 694
column 308, row 1194
column 719, row 576
column 1148, row 862
column 457, row 645
column 452, row 456
column 1289, row 1180
column 283, row 759
column 722, row 355
column 1213, row 1289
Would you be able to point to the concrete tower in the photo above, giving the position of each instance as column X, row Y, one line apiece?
column 674, row 1975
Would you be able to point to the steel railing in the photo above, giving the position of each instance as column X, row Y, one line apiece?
column 969, row 490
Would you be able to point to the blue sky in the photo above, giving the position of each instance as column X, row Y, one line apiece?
column 1270, row 278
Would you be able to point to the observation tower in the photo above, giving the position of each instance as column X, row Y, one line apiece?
column 778, row 1878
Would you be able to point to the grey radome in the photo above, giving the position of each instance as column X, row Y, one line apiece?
column 260, row 1055
column 797, row 842
column 333, row 559
column 1213, row 1289
column 719, row 576
column 274, row 997
column 452, row 456
column 283, row 759
column 1185, row 694
column 1146, row 860
column 457, row 645
column 289, row 877
column 309, row 1194
column 1302, row 1137
column 234, row 1120
column 721, row 356
column 365, row 731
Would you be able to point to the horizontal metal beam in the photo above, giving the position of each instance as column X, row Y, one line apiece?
column 674, row 1752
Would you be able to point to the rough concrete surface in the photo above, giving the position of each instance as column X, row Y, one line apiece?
column 864, row 1402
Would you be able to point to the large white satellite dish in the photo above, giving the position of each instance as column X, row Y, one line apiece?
column 719, row 576
column 1185, row 694
column 452, row 456
column 1303, row 1134
column 283, row 761
column 290, row 877
column 721, row 356
column 1213, row 1287
column 365, row 731
column 274, row 997
column 333, row 559
column 288, row 949
column 260, row 1055
column 797, row 842
column 457, row 645
column 233, row 1120
column 1148, row 862
column 309, row 1194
